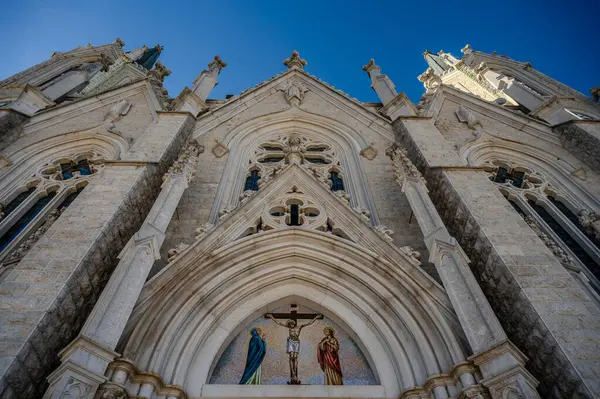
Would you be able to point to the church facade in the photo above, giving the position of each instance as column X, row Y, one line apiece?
column 292, row 241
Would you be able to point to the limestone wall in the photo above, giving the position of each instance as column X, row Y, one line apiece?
column 540, row 306
column 47, row 297
column 582, row 139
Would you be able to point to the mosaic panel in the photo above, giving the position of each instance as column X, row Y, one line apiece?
column 275, row 368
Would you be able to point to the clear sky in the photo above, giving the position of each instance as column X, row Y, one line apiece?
column 337, row 38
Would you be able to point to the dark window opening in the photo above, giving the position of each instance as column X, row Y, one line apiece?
column 69, row 169
column 573, row 219
column 567, row 239
column 316, row 149
column 319, row 161
column 271, row 160
column 22, row 223
column 12, row 205
column 271, row 148
column 294, row 215
column 513, row 178
column 337, row 184
column 70, row 198
column 252, row 181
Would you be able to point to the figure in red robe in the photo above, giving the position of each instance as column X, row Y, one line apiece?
column 329, row 359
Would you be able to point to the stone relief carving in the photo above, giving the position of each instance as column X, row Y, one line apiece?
column 219, row 149
column 465, row 115
column 174, row 252
column 580, row 173
column 590, row 221
column 369, row 152
column 410, row 251
column 294, row 91
column 113, row 393
column 226, row 212
column 4, row 162
column 75, row 389
column 115, row 114
column 187, row 158
column 430, row 81
column 364, row 213
column 403, row 166
column 384, row 232
column 203, row 230
column 246, row 195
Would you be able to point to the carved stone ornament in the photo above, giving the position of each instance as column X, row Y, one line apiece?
column 580, row 173
column 4, row 162
column 203, row 230
column 75, row 389
column 217, row 63
column 33, row 238
column 219, row 149
column 408, row 250
column 466, row 50
column 595, row 92
column 174, row 252
column 115, row 114
column 384, row 232
column 369, row 152
column 294, row 61
column 294, row 92
column 364, row 213
column 188, row 157
column 113, row 393
column 465, row 115
column 119, row 42
column 590, row 221
column 226, row 212
column 403, row 167
column 246, row 195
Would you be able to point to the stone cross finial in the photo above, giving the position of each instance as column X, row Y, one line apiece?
column 295, row 61
column 217, row 63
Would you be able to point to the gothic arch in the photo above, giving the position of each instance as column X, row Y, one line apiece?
column 27, row 159
column 179, row 328
column 241, row 140
column 557, row 171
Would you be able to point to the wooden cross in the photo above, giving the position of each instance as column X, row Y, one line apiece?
column 294, row 315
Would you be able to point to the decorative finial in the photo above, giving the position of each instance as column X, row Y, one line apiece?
column 295, row 61
column 119, row 42
column 426, row 52
column 466, row 50
column 159, row 48
column 217, row 63
column 369, row 65
column 160, row 71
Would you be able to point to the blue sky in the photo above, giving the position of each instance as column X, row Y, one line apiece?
column 337, row 38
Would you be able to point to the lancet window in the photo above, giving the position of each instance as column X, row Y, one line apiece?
column 252, row 181
column 41, row 199
column 551, row 216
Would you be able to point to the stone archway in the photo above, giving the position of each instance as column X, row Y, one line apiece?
column 406, row 328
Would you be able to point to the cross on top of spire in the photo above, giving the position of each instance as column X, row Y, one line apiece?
column 294, row 61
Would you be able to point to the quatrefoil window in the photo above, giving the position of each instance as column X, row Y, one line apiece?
column 72, row 167
column 514, row 176
column 293, row 210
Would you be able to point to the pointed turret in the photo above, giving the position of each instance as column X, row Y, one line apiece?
column 436, row 63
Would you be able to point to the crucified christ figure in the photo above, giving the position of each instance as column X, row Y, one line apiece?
column 293, row 343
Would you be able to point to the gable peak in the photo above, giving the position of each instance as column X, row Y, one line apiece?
column 294, row 61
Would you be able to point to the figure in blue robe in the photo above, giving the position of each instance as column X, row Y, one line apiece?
column 257, row 349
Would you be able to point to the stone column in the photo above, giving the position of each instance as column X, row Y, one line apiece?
column 383, row 86
column 84, row 361
column 499, row 360
column 207, row 79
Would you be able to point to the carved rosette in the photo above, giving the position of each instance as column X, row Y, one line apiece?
column 403, row 167
column 188, row 158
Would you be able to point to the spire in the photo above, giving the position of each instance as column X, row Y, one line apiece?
column 207, row 79
column 294, row 61
column 149, row 57
column 383, row 86
column 435, row 62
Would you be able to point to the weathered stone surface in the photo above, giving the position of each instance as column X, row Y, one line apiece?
column 582, row 139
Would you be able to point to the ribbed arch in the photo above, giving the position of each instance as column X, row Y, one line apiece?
column 180, row 330
column 244, row 138
column 28, row 159
column 557, row 173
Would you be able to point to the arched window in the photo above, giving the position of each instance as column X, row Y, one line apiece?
column 58, row 184
column 337, row 183
column 18, row 200
column 252, row 181
column 24, row 220
column 556, row 224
